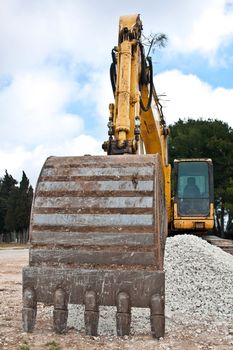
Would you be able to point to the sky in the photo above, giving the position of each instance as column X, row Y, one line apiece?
column 54, row 71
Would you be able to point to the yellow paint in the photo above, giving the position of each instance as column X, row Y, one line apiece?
column 127, row 102
column 189, row 223
column 153, row 133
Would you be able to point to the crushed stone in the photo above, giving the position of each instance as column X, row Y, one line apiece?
column 199, row 280
column 199, row 290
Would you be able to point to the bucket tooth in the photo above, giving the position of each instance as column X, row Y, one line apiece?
column 157, row 317
column 60, row 312
column 29, row 309
column 91, row 314
column 123, row 315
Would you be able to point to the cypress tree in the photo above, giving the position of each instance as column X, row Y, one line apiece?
column 23, row 209
column 7, row 187
column 15, row 202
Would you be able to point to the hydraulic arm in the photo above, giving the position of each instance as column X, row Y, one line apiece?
column 136, row 122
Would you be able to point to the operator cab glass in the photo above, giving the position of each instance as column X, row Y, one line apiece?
column 193, row 187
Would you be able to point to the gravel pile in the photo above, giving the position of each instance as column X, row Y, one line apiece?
column 199, row 289
column 199, row 280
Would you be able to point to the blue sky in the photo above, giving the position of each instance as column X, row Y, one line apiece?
column 54, row 71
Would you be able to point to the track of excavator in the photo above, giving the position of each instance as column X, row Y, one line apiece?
column 224, row 244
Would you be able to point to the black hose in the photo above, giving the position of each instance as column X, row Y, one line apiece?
column 143, row 77
column 113, row 74
column 147, row 107
column 113, row 77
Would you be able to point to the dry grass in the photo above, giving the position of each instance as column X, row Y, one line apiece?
column 14, row 246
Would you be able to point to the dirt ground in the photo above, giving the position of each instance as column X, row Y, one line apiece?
column 177, row 337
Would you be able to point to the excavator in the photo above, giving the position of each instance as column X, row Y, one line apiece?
column 99, row 223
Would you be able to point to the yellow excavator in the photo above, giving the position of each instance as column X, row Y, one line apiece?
column 99, row 223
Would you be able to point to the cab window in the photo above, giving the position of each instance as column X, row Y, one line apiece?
column 193, row 189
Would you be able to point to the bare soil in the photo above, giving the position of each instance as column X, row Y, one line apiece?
column 177, row 337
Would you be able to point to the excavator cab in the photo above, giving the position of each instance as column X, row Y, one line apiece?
column 193, row 195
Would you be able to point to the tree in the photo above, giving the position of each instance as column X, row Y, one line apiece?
column 7, row 186
column 11, row 207
column 17, row 206
column 23, row 210
column 208, row 139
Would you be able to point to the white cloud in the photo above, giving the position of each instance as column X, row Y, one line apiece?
column 32, row 31
column 199, row 26
column 33, row 109
column 213, row 28
column 51, row 47
column 100, row 93
column 189, row 97
column 31, row 161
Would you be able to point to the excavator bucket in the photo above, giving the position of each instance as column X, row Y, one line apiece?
column 97, row 233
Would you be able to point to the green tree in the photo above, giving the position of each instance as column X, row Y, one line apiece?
column 11, row 206
column 2, row 210
column 18, row 207
column 208, row 139
column 7, row 186
column 23, row 210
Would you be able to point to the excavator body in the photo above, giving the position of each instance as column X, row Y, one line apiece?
column 99, row 223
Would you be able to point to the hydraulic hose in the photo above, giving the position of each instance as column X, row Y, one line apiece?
column 150, row 82
column 113, row 74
